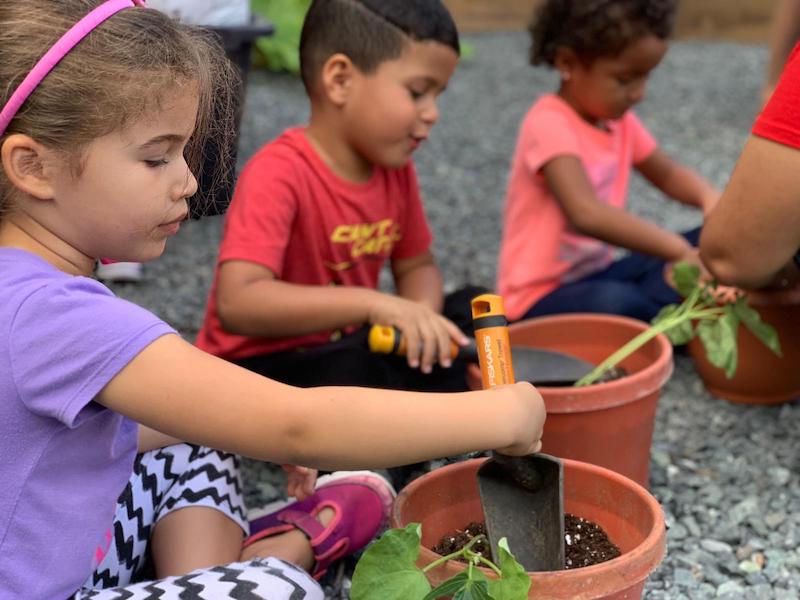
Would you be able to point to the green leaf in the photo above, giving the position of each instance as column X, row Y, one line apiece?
column 719, row 340
column 752, row 320
column 387, row 570
column 515, row 583
column 450, row 587
column 680, row 333
column 281, row 51
column 476, row 586
column 686, row 277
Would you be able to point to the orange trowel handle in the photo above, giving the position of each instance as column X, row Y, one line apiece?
column 491, row 338
column 390, row 340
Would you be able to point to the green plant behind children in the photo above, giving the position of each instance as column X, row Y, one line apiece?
column 279, row 52
column 699, row 315
column 388, row 570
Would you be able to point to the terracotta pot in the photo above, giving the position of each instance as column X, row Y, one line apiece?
column 447, row 499
column 607, row 424
column 761, row 376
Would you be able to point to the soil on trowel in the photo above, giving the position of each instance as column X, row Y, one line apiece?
column 585, row 542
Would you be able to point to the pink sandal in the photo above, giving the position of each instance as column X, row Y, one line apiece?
column 361, row 501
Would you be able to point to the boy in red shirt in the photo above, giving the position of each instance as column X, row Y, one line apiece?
column 318, row 211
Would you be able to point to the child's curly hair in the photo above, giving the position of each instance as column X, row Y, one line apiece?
column 594, row 28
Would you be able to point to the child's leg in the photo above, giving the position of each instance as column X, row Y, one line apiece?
column 597, row 296
column 261, row 578
column 188, row 485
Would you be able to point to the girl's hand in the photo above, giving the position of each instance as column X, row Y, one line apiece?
column 527, row 416
column 300, row 481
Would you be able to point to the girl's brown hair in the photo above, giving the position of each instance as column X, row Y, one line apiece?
column 118, row 73
column 595, row 28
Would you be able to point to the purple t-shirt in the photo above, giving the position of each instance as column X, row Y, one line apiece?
column 64, row 459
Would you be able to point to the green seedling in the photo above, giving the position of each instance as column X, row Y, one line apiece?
column 388, row 571
column 699, row 315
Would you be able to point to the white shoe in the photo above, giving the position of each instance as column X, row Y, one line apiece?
column 121, row 272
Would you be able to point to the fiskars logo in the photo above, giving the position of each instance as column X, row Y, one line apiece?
column 487, row 350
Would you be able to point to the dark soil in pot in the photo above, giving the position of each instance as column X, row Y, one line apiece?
column 586, row 543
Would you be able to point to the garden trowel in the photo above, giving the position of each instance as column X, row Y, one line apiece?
column 537, row 365
column 522, row 497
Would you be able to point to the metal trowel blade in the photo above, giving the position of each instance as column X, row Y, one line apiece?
column 531, row 520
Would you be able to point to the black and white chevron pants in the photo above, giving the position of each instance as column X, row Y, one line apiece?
column 163, row 481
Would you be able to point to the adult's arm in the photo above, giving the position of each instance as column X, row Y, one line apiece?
column 783, row 36
column 750, row 238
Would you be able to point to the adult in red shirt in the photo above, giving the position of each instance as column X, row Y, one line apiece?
column 752, row 237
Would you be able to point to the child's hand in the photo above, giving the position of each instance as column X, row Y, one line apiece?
column 529, row 418
column 691, row 256
column 427, row 333
column 300, row 481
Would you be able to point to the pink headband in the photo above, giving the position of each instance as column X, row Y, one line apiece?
column 59, row 50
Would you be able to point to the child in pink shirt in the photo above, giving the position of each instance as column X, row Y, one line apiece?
column 565, row 205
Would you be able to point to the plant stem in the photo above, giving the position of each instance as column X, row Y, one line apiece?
column 626, row 350
column 489, row 564
column 452, row 555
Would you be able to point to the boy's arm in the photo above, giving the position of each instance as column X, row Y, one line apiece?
column 252, row 302
column 418, row 279
column 678, row 181
column 754, row 232
column 568, row 182
column 205, row 400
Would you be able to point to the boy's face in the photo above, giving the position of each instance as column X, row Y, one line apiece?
column 610, row 86
column 391, row 111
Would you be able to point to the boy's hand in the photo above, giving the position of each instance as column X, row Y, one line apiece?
column 428, row 334
column 527, row 416
column 300, row 481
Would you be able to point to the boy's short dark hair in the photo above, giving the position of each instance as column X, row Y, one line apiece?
column 369, row 32
column 595, row 28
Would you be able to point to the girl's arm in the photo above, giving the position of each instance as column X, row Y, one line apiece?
column 176, row 388
column 678, row 181
column 750, row 238
column 567, row 180
column 150, row 439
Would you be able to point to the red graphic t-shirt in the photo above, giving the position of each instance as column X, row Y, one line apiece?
column 293, row 215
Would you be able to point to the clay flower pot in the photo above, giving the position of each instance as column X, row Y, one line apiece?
column 607, row 424
column 447, row 499
column 762, row 377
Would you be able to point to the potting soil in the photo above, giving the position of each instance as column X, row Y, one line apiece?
column 585, row 542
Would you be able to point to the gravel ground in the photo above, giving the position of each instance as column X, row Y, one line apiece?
column 726, row 475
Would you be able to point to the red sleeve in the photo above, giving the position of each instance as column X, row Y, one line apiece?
column 260, row 218
column 415, row 232
column 780, row 120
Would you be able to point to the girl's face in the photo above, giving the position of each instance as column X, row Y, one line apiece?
column 608, row 87
column 391, row 111
column 130, row 195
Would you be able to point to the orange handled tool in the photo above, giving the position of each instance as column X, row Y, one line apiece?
column 390, row 340
column 522, row 496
